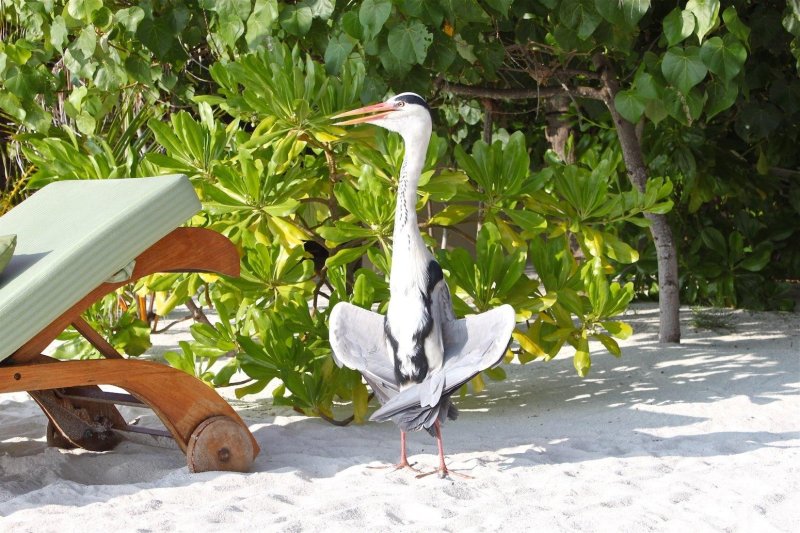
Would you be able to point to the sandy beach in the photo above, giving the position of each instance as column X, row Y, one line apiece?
column 702, row 436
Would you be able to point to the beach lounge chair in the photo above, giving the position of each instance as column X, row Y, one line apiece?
column 76, row 242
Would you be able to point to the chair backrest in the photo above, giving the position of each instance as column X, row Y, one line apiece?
column 74, row 235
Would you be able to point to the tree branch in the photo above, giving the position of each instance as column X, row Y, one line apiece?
column 493, row 93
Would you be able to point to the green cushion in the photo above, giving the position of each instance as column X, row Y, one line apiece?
column 7, row 245
column 74, row 235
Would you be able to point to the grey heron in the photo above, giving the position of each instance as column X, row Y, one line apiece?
column 418, row 354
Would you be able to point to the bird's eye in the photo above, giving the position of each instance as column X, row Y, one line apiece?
column 400, row 103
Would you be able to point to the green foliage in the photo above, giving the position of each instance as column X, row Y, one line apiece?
column 238, row 95
column 118, row 315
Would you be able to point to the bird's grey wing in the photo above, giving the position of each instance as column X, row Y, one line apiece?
column 442, row 303
column 472, row 344
column 475, row 343
column 358, row 342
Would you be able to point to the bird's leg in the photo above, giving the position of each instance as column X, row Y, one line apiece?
column 403, row 463
column 442, row 466
column 403, row 455
column 443, row 470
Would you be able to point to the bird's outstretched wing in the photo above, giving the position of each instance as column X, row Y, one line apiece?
column 442, row 305
column 471, row 344
column 358, row 342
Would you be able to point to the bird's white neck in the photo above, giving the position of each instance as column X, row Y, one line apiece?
column 409, row 255
column 405, row 215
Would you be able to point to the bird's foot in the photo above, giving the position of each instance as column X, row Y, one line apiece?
column 402, row 465
column 444, row 473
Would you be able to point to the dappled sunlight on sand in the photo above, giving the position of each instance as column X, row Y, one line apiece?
column 704, row 435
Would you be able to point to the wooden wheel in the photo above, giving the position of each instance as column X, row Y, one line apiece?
column 220, row 443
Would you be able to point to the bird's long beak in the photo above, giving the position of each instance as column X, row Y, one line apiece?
column 373, row 112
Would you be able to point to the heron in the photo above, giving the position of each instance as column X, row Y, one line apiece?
column 418, row 354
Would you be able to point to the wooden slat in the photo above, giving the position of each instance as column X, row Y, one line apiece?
column 95, row 339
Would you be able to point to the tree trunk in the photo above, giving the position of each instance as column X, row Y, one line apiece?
column 668, row 296
column 558, row 130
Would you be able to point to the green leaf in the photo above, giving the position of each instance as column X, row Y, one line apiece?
column 322, row 9
column 735, row 246
column 345, row 256
column 714, row 240
column 501, row 6
column 360, row 402
column 695, row 100
column 634, row 10
column 409, row 42
column 11, row 105
column 255, row 387
column 86, row 123
column 352, row 26
column 296, row 18
column 373, row 14
column 609, row 343
column 527, row 343
column 229, row 30
column 619, row 250
column 452, row 214
column 581, row 360
column 596, row 286
column 735, row 24
column 363, row 291
column 395, row 67
column 156, row 35
column 581, row 16
column 259, row 24
column 706, row 12
column 184, row 360
column 130, row 17
column 336, row 53
column 759, row 258
column 570, row 300
column 683, row 67
column 724, row 57
column 83, row 9
column 528, row 221
column 620, row 330
column 647, row 88
column 678, row 25
column 656, row 111
column 629, row 105
column 721, row 95
column 463, row 11
column 58, row 33
column 102, row 18
column 86, row 41
column 611, row 11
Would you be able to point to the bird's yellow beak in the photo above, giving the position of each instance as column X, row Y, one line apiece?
column 373, row 112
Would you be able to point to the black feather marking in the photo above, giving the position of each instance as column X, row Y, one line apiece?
column 435, row 275
column 392, row 341
column 411, row 98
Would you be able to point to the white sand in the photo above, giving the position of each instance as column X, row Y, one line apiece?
column 704, row 436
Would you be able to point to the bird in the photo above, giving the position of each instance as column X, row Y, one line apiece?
column 418, row 354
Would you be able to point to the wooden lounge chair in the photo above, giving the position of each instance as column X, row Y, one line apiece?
column 76, row 242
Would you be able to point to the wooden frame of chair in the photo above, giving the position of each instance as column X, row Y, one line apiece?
column 205, row 427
